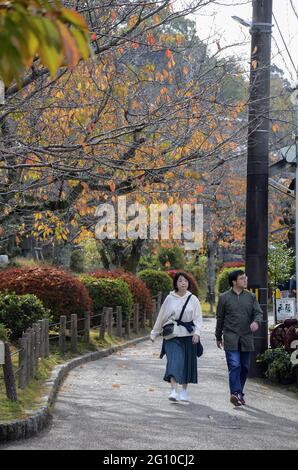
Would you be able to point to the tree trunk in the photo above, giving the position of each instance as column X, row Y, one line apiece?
column 211, row 268
column 118, row 254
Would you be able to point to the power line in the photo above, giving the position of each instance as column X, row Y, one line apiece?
column 279, row 52
column 293, row 8
column 281, row 35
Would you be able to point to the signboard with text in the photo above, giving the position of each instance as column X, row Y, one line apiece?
column 285, row 308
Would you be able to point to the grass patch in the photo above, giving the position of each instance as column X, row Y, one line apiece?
column 30, row 398
column 206, row 309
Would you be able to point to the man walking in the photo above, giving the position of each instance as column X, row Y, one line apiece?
column 238, row 317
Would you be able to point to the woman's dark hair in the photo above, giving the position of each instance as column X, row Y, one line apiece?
column 177, row 275
column 233, row 276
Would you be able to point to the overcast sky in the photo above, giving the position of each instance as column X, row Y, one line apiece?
column 217, row 20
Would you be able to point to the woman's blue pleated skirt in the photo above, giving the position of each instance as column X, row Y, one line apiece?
column 181, row 360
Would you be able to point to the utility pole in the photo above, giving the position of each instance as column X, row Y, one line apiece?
column 295, row 102
column 258, row 167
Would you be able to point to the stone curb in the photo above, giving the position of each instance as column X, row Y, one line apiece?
column 40, row 419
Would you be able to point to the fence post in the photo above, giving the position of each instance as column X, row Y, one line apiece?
column 143, row 319
column 136, row 318
column 42, row 338
column 154, row 312
column 32, row 355
column 9, row 378
column 74, row 332
column 127, row 326
column 28, row 355
column 102, row 328
column 36, row 328
column 23, row 362
column 87, row 327
column 62, row 335
column 159, row 301
column 47, row 338
column 119, row 320
column 110, row 320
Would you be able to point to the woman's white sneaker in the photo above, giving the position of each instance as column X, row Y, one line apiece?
column 174, row 396
column 183, row 396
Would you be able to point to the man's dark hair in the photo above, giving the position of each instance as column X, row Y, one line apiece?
column 177, row 275
column 233, row 276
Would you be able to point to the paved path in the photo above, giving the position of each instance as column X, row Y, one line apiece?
column 120, row 402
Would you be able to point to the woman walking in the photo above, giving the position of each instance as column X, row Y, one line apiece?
column 181, row 351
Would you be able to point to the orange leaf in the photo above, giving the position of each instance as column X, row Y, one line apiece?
column 168, row 54
column 112, row 186
column 69, row 45
column 254, row 64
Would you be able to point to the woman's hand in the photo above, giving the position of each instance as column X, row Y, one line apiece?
column 195, row 339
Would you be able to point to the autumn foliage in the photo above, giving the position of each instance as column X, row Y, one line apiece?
column 58, row 290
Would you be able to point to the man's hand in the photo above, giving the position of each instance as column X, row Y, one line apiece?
column 195, row 339
column 219, row 344
column 254, row 326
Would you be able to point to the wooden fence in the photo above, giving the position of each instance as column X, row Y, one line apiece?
column 35, row 342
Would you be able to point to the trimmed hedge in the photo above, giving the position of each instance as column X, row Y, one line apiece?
column 108, row 293
column 58, row 290
column 233, row 264
column 223, row 279
column 194, row 290
column 140, row 293
column 156, row 281
column 19, row 312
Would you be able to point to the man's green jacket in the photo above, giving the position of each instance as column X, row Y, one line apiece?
column 235, row 312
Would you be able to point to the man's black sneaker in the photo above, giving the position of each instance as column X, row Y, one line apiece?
column 235, row 399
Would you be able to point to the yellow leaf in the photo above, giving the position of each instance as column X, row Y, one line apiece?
column 254, row 64
column 275, row 128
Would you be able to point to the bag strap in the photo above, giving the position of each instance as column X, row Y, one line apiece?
column 184, row 307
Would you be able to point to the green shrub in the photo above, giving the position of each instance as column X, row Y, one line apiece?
column 140, row 292
column 19, row 312
column 4, row 333
column 108, row 293
column 156, row 281
column 223, row 279
column 171, row 258
column 77, row 260
column 278, row 365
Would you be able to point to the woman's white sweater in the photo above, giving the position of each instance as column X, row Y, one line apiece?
column 171, row 309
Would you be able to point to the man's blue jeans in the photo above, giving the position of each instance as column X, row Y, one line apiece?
column 238, row 365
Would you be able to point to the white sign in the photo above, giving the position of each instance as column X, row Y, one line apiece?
column 285, row 308
column 2, row 356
